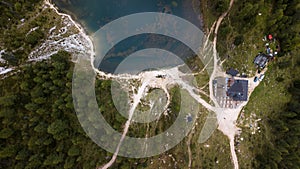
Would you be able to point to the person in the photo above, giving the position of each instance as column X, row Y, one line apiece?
column 268, row 50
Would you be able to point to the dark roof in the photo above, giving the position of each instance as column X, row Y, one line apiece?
column 261, row 60
column 232, row 72
column 239, row 90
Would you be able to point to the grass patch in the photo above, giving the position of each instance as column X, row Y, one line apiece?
column 269, row 98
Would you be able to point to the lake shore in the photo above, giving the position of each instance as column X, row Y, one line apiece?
column 72, row 15
column 83, row 32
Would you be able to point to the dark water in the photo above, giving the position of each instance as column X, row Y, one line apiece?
column 93, row 14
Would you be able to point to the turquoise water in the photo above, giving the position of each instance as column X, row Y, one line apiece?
column 93, row 14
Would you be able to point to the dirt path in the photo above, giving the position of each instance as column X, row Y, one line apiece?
column 217, row 70
column 233, row 154
column 136, row 100
column 188, row 144
column 227, row 126
column 150, row 80
column 226, row 119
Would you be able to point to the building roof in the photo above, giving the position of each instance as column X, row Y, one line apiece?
column 232, row 72
column 239, row 90
column 261, row 60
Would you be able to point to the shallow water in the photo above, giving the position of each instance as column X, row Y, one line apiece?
column 93, row 14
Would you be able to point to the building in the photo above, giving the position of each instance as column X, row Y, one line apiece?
column 239, row 90
column 261, row 60
column 232, row 72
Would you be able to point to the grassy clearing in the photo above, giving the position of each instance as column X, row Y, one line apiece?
column 267, row 99
column 239, row 44
column 214, row 153
column 270, row 96
column 238, row 49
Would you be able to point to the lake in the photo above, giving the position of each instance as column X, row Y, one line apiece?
column 93, row 14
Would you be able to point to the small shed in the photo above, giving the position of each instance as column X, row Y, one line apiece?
column 232, row 72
